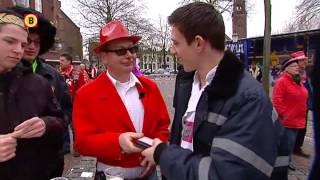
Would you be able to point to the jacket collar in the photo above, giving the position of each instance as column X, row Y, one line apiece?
column 227, row 78
column 226, row 81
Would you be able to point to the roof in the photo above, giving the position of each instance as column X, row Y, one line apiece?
column 313, row 31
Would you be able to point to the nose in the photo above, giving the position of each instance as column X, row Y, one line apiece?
column 19, row 48
column 129, row 54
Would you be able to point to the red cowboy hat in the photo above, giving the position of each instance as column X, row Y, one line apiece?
column 112, row 31
column 299, row 55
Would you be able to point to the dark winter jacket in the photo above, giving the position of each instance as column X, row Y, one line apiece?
column 25, row 95
column 236, row 134
column 58, row 84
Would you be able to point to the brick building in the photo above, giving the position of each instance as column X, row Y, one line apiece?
column 68, row 38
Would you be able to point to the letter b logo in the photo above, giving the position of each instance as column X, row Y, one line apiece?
column 30, row 20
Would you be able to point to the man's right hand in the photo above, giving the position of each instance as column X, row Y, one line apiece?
column 8, row 144
column 126, row 142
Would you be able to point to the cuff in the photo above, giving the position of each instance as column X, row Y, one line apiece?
column 158, row 151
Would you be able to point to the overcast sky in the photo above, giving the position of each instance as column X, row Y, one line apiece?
column 282, row 12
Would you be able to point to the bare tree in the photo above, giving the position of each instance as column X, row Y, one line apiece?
column 95, row 14
column 221, row 5
column 163, row 34
column 307, row 16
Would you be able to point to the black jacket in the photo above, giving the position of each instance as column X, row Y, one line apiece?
column 58, row 84
column 236, row 134
column 25, row 95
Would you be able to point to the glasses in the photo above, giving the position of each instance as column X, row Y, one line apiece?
column 36, row 42
column 123, row 51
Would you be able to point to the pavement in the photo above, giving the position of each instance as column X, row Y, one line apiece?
column 166, row 85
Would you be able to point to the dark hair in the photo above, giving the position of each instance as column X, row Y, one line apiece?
column 67, row 56
column 45, row 29
column 201, row 19
column 8, row 11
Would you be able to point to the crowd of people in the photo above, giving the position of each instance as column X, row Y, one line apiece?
column 225, row 126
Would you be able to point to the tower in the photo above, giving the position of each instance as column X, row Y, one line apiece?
column 239, row 18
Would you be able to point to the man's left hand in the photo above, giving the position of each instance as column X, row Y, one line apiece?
column 148, row 153
column 31, row 128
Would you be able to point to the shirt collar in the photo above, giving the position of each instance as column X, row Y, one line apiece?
column 132, row 82
column 209, row 76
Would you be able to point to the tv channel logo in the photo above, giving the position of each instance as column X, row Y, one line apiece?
column 30, row 20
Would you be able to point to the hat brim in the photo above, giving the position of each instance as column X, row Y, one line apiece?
column 133, row 39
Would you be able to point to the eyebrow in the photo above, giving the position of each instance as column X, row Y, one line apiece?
column 13, row 38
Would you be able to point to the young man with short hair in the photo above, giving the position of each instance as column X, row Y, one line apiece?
column 31, row 126
column 223, row 126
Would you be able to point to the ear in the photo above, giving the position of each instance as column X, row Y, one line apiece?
column 199, row 42
column 103, row 57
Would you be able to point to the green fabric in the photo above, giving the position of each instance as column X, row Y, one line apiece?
column 296, row 78
column 34, row 66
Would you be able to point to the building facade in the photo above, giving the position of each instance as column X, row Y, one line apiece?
column 151, row 60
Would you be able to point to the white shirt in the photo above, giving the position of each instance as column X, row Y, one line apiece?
column 188, row 117
column 129, row 95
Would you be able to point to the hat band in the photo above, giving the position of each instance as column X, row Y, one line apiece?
column 11, row 19
column 299, row 57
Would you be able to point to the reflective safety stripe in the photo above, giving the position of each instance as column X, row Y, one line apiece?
column 204, row 167
column 282, row 161
column 243, row 153
column 216, row 118
column 274, row 115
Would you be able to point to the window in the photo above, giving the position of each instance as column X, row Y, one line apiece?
column 38, row 5
column 23, row 3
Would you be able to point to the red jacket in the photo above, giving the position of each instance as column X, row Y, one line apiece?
column 290, row 101
column 100, row 117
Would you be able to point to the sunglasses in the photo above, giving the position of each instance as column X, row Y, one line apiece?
column 123, row 51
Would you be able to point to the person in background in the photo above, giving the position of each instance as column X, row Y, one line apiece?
column 290, row 100
column 94, row 72
column 136, row 68
column 255, row 71
column 72, row 75
column 223, row 126
column 75, row 80
column 117, row 108
column 84, row 73
column 302, row 62
column 40, row 40
column 31, row 126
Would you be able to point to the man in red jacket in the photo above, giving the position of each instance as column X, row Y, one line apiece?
column 290, row 100
column 74, row 77
column 117, row 108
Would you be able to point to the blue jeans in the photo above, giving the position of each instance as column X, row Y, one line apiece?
column 292, row 135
